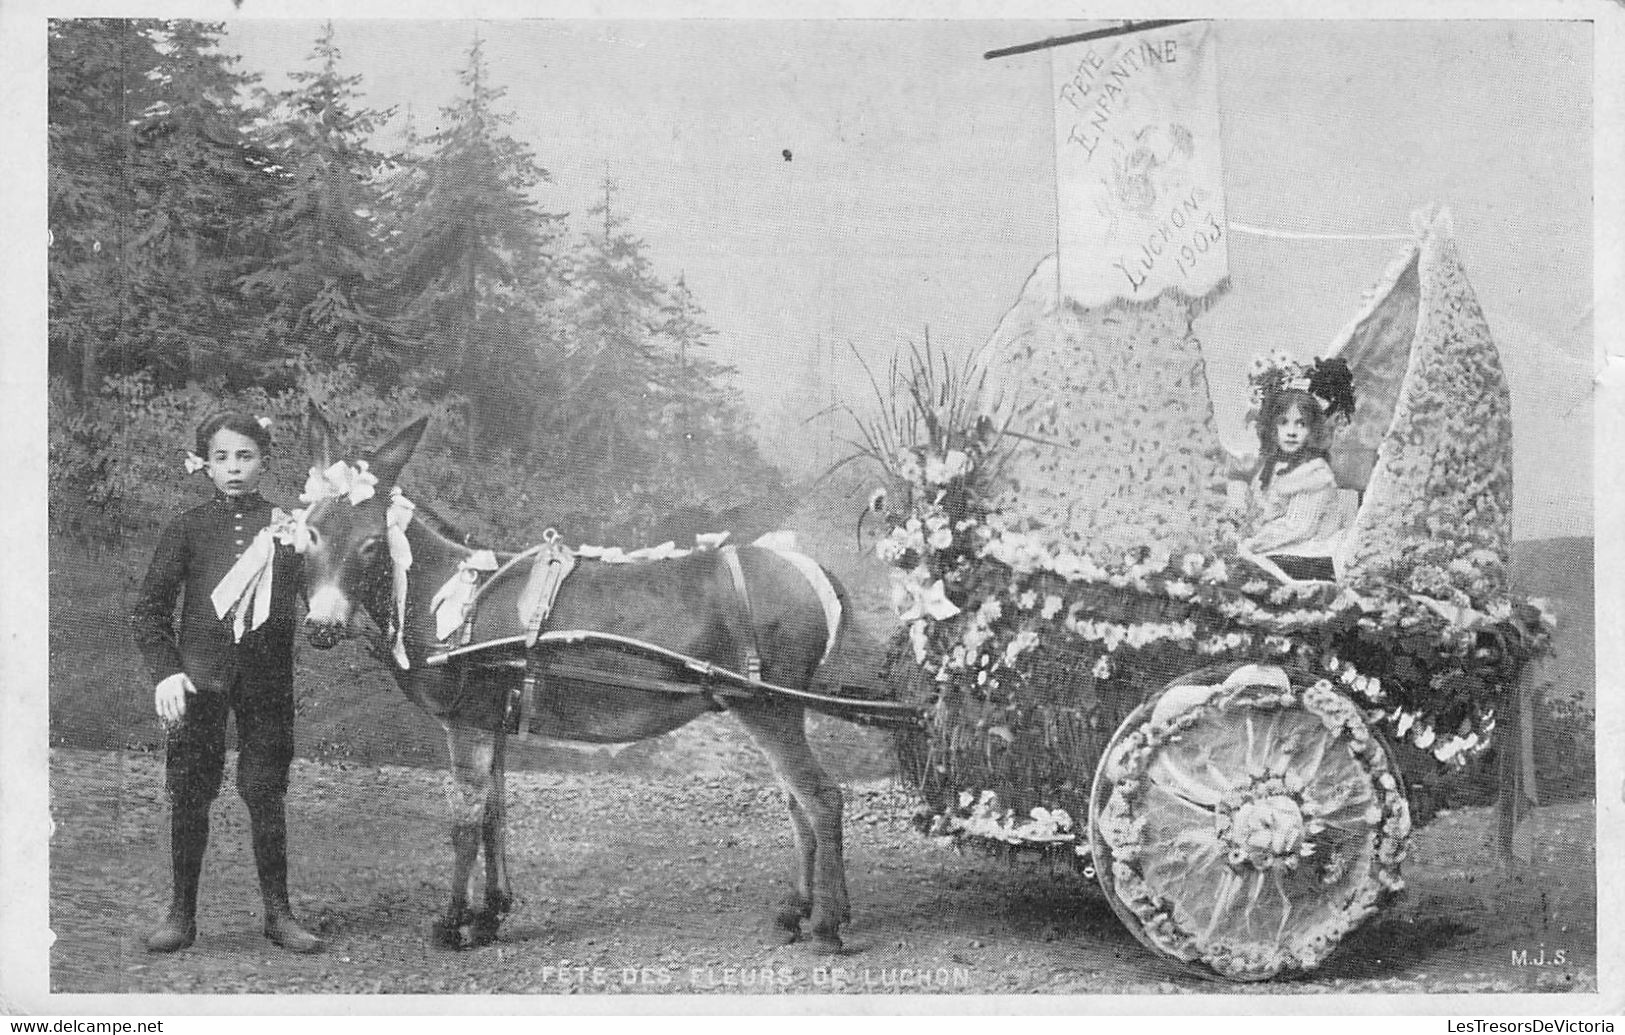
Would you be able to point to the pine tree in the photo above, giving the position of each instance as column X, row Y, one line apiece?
column 194, row 175
column 321, row 285
column 608, row 421
column 97, row 85
column 706, row 431
column 472, row 261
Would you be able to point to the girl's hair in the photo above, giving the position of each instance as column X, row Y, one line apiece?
column 1275, row 405
column 232, row 420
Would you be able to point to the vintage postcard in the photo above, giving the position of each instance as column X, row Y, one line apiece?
column 1040, row 509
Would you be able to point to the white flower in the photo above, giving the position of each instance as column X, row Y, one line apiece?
column 264, row 422
column 1071, row 567
column 990, row 611
column 1028, row 600
column 1179, row 589
column 890, row 549
column 1102, row 669
column 1191, row 564
column 940, row 539
column 1216, row 573
column 351, row 481
column 1548, row 617
column 927, row 602
column 1052, row 607
column 1023, row 641
column 946, row 469
column 1424, row 738
column 908, row 466
column 195, row 463
column 918, row 639
column 974, row 637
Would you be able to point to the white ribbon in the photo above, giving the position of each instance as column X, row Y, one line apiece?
column 352, row 481
column 451, row 602
column 244, row 592
column 194, row 463
column 396, row 519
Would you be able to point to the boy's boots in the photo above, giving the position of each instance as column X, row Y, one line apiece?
column 188, row 839
column 271, row 858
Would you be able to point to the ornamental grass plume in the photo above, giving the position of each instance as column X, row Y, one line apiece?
column 928, row 430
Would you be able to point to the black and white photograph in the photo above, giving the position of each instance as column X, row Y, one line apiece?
column 813, row 511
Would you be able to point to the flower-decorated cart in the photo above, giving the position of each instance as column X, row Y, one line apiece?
column 1220, row 746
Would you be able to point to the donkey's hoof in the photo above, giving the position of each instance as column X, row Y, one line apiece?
column 789, row 917
column 483, row 931
column 446, row 935
column 498, row 904
column 828, row 944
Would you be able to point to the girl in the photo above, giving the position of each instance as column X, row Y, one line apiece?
column 1300, row 517
column 202, row 672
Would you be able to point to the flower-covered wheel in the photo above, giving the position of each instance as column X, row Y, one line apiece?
column 1247, row 821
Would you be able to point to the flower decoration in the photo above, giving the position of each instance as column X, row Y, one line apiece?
column 928, row 602
column 1332, row 382
column 1329, row 380
column 349, row 481
column 1002, row 623
column 194, row 463
column 264, row 422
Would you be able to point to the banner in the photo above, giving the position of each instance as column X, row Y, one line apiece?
column 1138, row 170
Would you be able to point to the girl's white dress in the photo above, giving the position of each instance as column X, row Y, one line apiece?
column 1301, row 514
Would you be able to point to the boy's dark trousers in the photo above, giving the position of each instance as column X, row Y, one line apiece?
column 195, row 763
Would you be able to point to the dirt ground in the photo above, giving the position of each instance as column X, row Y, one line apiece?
column 640, row 884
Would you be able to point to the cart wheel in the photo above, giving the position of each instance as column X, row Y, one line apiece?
column 1247, row 822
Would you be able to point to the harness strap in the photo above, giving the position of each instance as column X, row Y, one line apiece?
column 554, row 562
column 753, row 656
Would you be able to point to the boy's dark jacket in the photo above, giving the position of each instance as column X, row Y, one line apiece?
column 195, row 551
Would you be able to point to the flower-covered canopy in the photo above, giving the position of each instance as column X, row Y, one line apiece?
column 1437, row 513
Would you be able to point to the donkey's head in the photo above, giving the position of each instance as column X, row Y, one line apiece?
column 346, row 550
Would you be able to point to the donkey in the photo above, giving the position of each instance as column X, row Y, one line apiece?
column 689, row 604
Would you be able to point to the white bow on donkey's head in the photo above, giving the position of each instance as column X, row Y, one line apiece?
column 354, row 540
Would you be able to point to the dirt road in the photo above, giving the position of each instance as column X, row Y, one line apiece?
column 637, row 885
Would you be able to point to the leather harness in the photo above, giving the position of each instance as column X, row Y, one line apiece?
column 551, row 563
column 752, row 652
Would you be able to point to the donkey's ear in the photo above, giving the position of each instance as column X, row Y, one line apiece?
column 390, row 457
column 319, row 437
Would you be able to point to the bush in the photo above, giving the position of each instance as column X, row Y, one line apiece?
column 116, row 461
column 116, row 464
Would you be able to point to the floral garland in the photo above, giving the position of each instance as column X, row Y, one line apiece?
column 984, row 604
